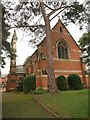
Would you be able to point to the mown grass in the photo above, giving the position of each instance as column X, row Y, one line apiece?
column 67, row 104
column 19, row 105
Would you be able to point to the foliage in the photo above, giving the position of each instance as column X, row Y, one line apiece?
column 29, row 83
column 19, row 87
column 74, row 82
column 61, row 83
column 83, row 86
column 6, row 50
column 25, row 86
column 5, row 26
column 4, row 34
column 72, row 14
column 85, row 46
column 39, row 90
column 30, row 16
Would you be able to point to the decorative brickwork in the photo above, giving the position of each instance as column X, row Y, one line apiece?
column 63, row 65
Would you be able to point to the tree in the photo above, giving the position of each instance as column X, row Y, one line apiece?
column 85, row 46
column 6, row 51
column 5, row 34
column 25, row 12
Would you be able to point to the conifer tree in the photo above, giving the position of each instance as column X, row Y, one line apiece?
column 85, row 46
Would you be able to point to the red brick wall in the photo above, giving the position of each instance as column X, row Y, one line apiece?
column 11, row 77
column 61, row 66
column 10, row 85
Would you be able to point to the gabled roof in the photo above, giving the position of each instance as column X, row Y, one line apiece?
column 20, row 69
column 45, row 37
column 69, row 34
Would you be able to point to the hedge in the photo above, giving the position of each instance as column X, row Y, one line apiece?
column 19, row 87
column 29, row 83
column 74, row 82
column 61, row 83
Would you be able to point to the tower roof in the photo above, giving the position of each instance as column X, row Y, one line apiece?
column 14, row 34
column 14, row 37
column 20, row 69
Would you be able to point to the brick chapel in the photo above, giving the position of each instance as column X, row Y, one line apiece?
column 67, row 58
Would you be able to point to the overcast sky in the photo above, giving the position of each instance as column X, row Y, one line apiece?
column 24, row 50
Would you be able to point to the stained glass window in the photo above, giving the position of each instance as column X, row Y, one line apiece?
column 62, row 50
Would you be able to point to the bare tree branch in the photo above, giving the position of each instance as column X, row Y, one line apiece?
column 48, row 7
column 58, row 13
column 54, row 10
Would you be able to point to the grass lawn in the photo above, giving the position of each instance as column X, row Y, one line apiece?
column 72, row 104
column 19, row 105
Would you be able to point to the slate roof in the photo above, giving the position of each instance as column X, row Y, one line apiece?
column 20, row 69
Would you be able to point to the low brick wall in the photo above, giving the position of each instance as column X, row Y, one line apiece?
column 10, row 86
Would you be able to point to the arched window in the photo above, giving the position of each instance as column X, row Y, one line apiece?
column 62, row 50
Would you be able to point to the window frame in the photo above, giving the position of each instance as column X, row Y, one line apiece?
column 65, row 47
column 44, row 72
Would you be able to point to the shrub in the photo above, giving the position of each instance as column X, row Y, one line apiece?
column 32, row 79
column 39, row 91
column 29, row 83
column 19, row 87
column 25, row 86
column 83, row 86
column 74, row 82
column 61, row 83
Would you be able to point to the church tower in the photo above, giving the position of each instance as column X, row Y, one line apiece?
column 13, row 48
column 12, row 77
column 17, row 72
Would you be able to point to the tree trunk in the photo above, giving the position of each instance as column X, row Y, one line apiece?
column 50, row 61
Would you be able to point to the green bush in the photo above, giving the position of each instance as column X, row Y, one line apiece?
column 39, row 91
column 25, row 85
column 82, row 86
column 61, row 83
column 19, row 87
column 74, row 82
column 29, row 83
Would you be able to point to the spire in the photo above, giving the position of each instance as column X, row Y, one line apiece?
column 14, row 37
column 13, row 47
column 14, row 34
